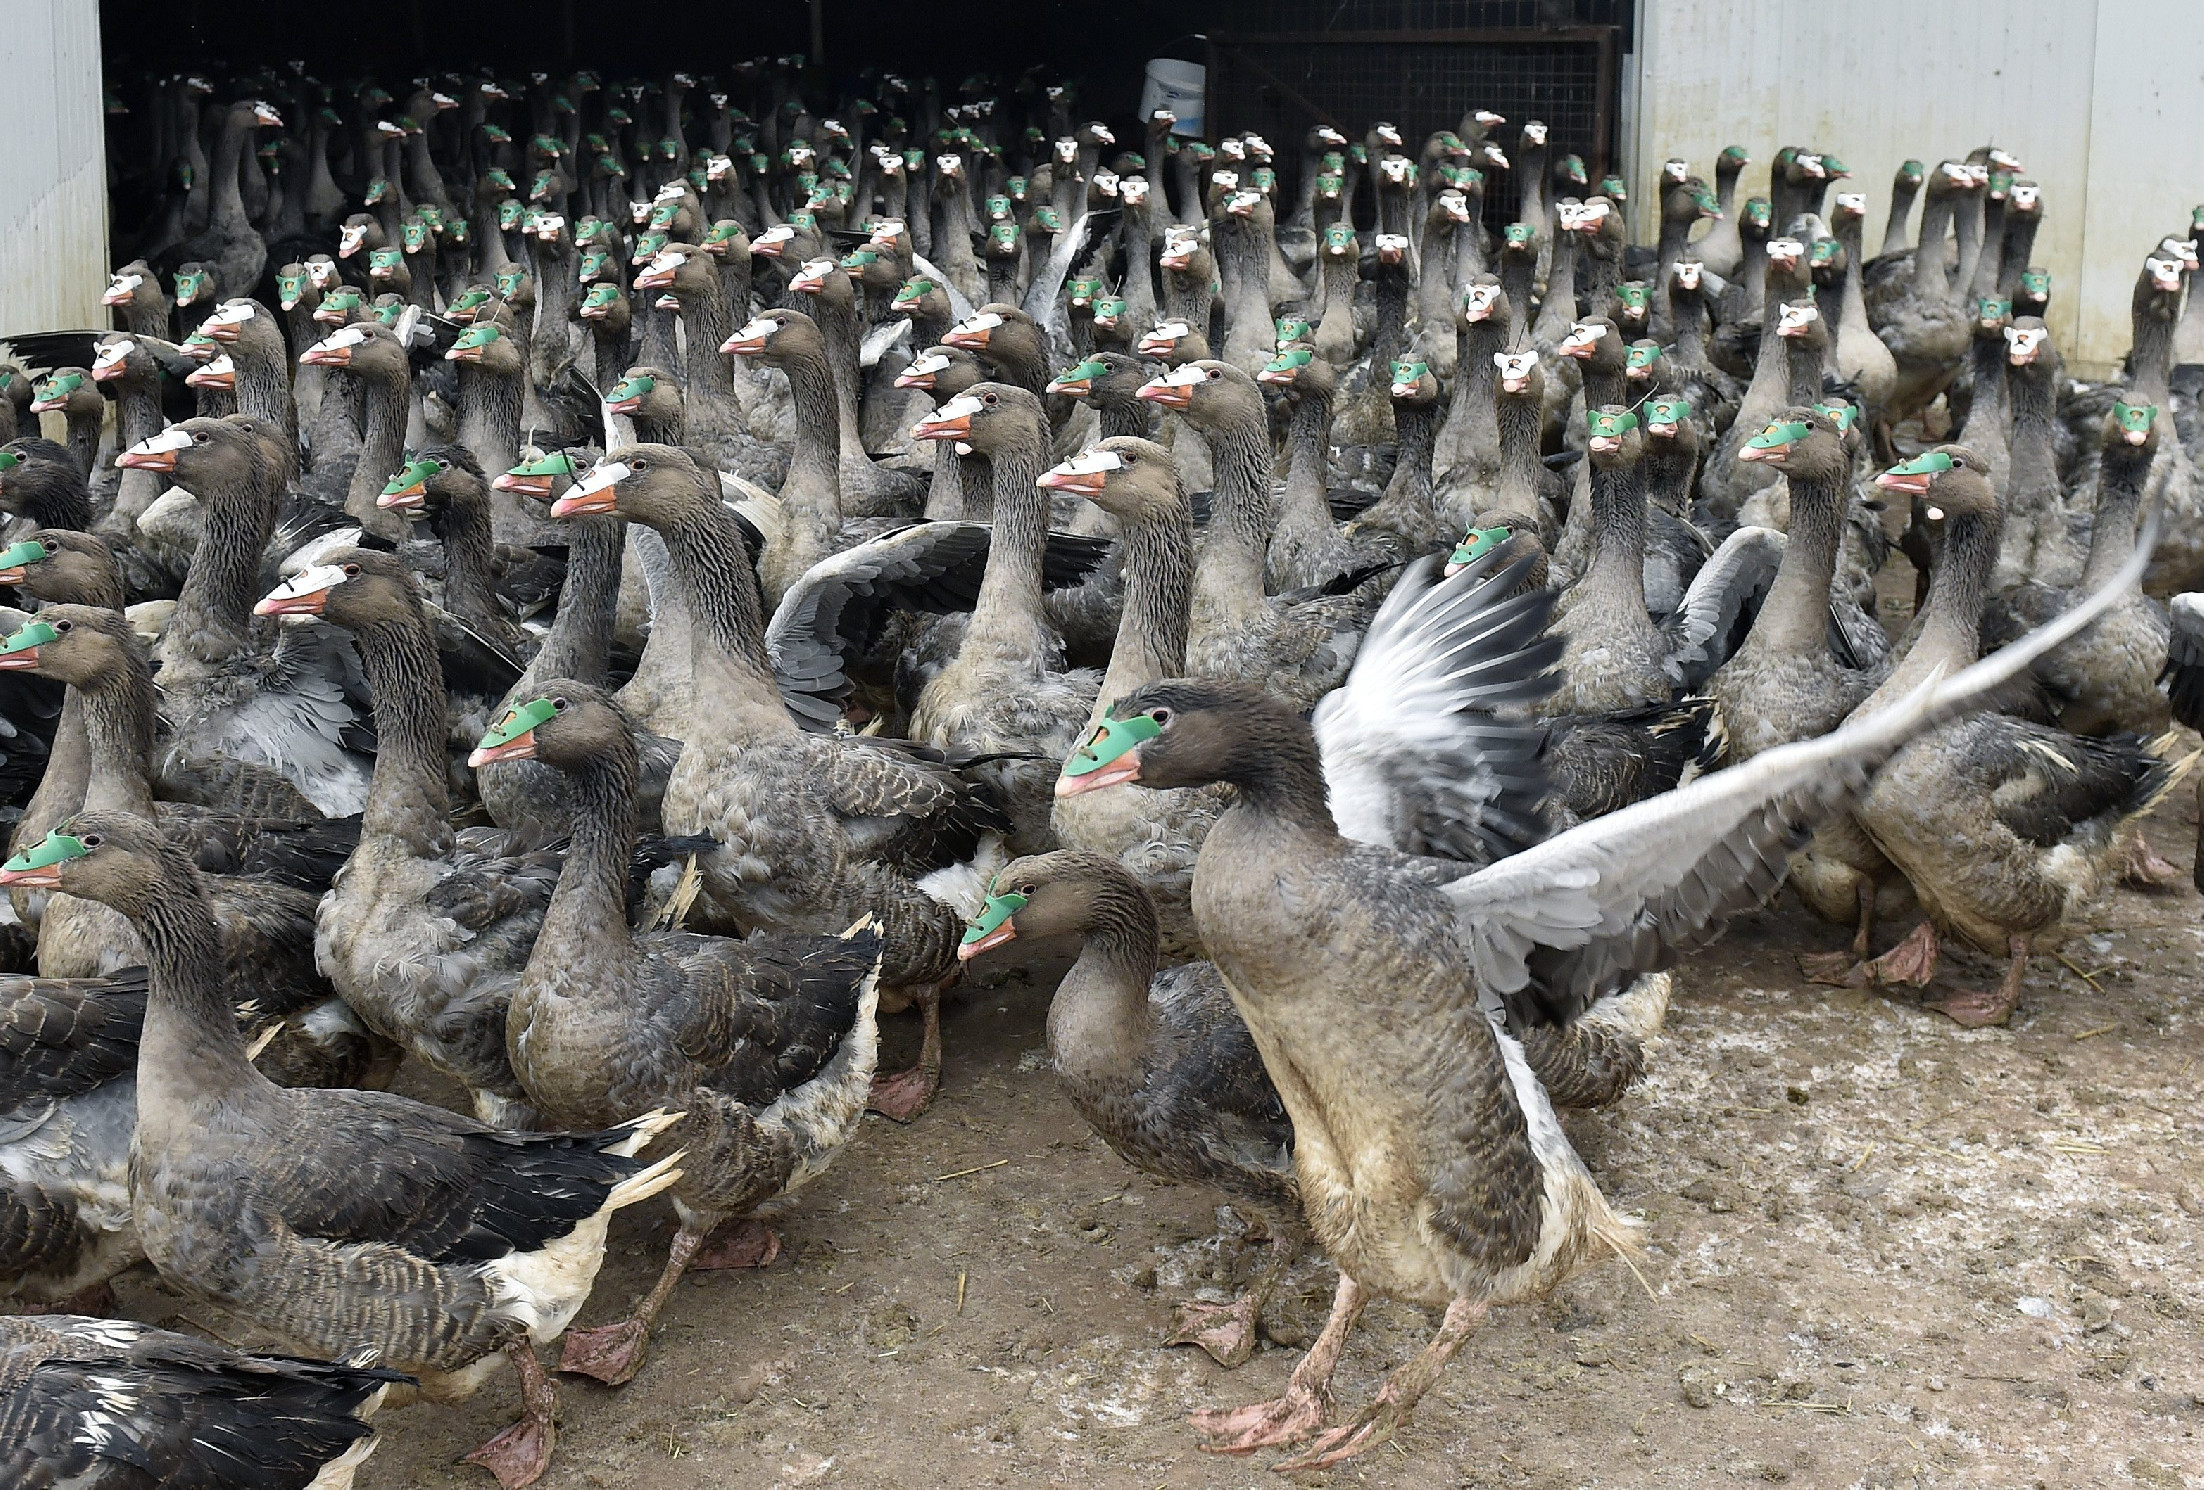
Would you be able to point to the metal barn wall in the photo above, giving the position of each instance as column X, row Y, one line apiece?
column 53, row 173
column 2091, row 95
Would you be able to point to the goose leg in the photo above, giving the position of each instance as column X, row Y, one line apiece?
column 1307, row 1400
column 1227, row 1331
column 906, row 1094
column 1397, row 1398
column 1981, row 1008
column 613, row 1353
column 521, row 1454
column 1843, row 969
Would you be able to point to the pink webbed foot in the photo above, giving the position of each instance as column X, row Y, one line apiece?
column 610, row 1353
column 1833, row 969
column 904, row 1095
column 2145, row 870
column 519, row 1455
column 1242, row 1430
column 740, row 1243
column 1977, row 1009
column 1912, row 961
column 1226, row 1331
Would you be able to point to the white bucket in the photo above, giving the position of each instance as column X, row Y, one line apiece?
column 1177, row 86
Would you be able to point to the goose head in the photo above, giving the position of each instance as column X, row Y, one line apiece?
column 116, row 858
column 60, row 566
column 1065, row 893
column 653, row 484
column 565, row 724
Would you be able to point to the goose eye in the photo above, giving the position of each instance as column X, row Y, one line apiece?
column 200, row 438
column 1028, row 891
column 65, row 625
column 1214, row 374
column 558, row 705
column 92, row 840
column 1161, row 716
column 638, row 465
column 51, row 547
column 443, row 465
column 988, row 399
column 351, row 571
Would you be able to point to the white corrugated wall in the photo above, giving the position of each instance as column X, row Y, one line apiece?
column 53, row 170
column 2096, row 97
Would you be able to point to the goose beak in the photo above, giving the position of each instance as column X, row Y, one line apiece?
column 656, row 277
column 519, row 748
column 748, row 342
column 1007, row 932
column 323, row 356
column 1772, row 456
column 1912, row 485
column 407, row 497
column 970, row 338
column 943, row 425
column 47, row 877
column 19, row 662
column 1083, row 475
column 282, row 604
column 598, row 495
column 537, row 487
column 1605, row 444
column 115, row 294
column 1070, row 387
column 1125, row 768
column 155, row 454
column 1166, row 394
column 911, row 377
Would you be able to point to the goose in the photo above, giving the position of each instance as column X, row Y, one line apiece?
column 1300, row 646
column 276, row 701
column 2045, row 814
column 812, row 829
column 438, row 1244
column 1156, row 1061
column 768, row 1044
column 1525, row 970
column 107, row 1403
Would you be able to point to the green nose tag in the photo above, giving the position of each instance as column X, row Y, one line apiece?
column 1477, row 543
column 1519, row 233
column 993, row 915
column 415, row 474
column 860, row 258
column 1927, row 463
column 1111, row 739
column 1780, row 434
column 1757, row 212
column 58, row 848
column 1843, row 416
column 29, row 638
column 345, row 299
column 1405, row 371
column 1611, row 425
column 555, row 464
column 1632, row 295
column 2037, row 282
column 2134, row 418
column 1824, row 251
column 386, row 258
column 913, row 291
column 1290, row 361
column 1108, row 308
column 1644, row 353
column 62, row 386
column 1990, row 309
column 517, row 721
column 1292, row 329
column 473, row 299
column 1084, row 372
column 601, row 295
column 508, row 215
column 1668, row 411
column 635, row 387
column 18, row 555
column 478, row 336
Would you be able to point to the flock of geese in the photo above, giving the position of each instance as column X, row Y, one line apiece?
column 602, row 590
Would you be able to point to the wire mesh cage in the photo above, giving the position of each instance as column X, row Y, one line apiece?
column 1421, row 65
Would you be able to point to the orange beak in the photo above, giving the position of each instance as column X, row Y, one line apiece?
column 519, row 748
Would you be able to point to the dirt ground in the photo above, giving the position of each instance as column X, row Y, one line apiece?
column 1882, row 1251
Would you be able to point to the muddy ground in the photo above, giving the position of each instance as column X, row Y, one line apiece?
column 1882, row 1250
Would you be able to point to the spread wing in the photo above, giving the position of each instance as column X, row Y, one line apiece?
column 1414, row 757
column 836, row 613
column 1558, row 926
column 1719, row 607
